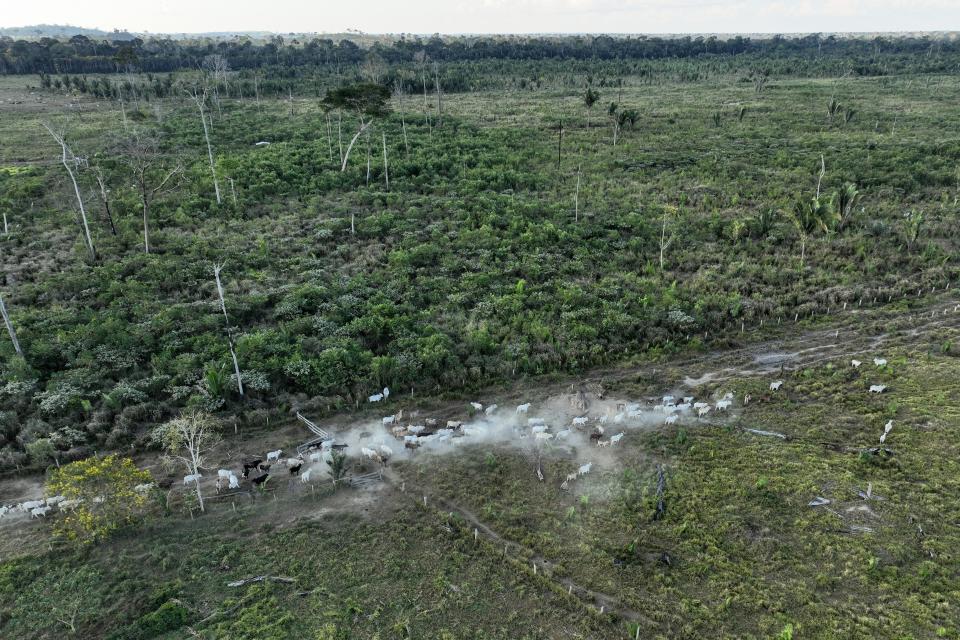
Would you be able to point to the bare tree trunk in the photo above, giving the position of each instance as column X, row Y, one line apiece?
column 346, row 156
column 576, row 197
column 200, row 99
column 386, row 171
column 146, row 227
column 106, row 201
column 353, row 229
column 329, row 141
column 6, row 229
column 76, row 189
column 13, row 334
column 233, row 190
column 256, row 90
column 823, row 170
column 436, row 75
column 223, row 307
column 340, row 137
column 664, row 241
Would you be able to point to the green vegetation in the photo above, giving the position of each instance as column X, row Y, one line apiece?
column 445, row 220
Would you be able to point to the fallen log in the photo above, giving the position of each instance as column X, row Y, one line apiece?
column 240, row 583
column 772, row 434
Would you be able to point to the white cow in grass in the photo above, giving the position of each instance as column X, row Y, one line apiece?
column 523, row 408
column 489, row 410
column 723, row 405
column 476, row 406
column 584, row 469
column 193, row 477
column 580, row 421
column 880, row 362
column 671, row 419
column 855, row 364
column 617, row 438
column 274, row 455
column 877, row 388
column 377, row 397
column 775, row 386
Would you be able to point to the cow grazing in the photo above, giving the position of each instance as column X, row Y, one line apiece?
column 234, row 482
column 377, row 397
column 877, row 388
column 274, row 455
column 671, row 419
column 193, row 477
column 295, row 469
column 702, row 411
column 580, row 421
column 476, row 406
column 523, row 408
column 305, row 476
column 880, row 362
column 260, row 480
column 775, row 386
column 37, row 512
column 617, row 438
column 855, row 364
column 489, row 410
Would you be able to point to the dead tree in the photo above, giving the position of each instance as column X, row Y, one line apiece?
column 68, row 158
column 421, row 59
column 576, row 196
column 104, row 198
column 10, row 330
column 368, row 101
column 223, row 307
column 152, row 178
column 200, row 99
column 436, row 82
column 386, row 170
column 398, row 92
column 665, row 242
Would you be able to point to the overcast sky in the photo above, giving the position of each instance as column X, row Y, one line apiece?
column 491, row 16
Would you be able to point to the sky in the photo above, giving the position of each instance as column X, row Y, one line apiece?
column 491, row 16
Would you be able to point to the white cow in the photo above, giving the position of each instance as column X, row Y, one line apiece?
column 143, row 488
column 369, row 453
column 888, row 427
column 4, row 511
column 580, row 421
column 700, row 405
column 305, row 476
column 563, row 434
column 702, row 411
column 70, row 505
column 234, row 482
column 855, row 363
column 40, row 511
column 274, row 455
column 687, row 399
column 634, row 414
column 880, row 362
column 668, row 400
column 377, row 397
column 489, row 410
column 315, row 457
column 477, row 406
column 55, row 500
column 540, row 428
column 193, row 477
column 386, row 392
column 584, row 469
column 883, row 438
column 617, row 438
column 617, row 419
column 454, row 424
column 417, row 428
column 523, row 408
column 388, row 420
column 385, row 451
column 774, row 386
column 532, row 422
column 877, row 388
column 543, row 435
column 224, row 473
column 30, row 505
column 671, row 419
column 723, row 405
column 604, row 418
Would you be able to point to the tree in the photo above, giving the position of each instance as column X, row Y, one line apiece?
column 67, row 158
column 665, row 241
column 912, row 224
column 106, row 490
column 217, row 268
column 810, row 216
column 365, row 100
column 338, row 465
column 590, row 98
column 188, row 439
column 200, row 99
column 847, row 198
column 10, row 329
column 153, row 175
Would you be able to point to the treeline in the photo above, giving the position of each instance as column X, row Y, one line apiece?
column 81, row 54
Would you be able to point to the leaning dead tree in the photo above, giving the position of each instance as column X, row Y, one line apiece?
column 223, row 307
column 10, row 330
column 200, row 98
column 367, row 101
column 67, row 158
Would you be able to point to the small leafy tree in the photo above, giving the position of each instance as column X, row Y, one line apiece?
column 106, row 489
column 847, row 198
column 590, row 98
column 338, row 465
column 810, row 216
column 188, row 439
column 912, row 224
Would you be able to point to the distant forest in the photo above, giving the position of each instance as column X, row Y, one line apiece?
column 81, row 54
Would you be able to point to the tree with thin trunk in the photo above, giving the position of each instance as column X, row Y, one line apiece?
column 153, row 176
column 576, row 195
column 436, row 82
column 367, row 101
column 188, row 439
column 10, row 330
column 71, row 162
column 217, row 268
column 420, row 57
column 665, row 241
column 590, row 98
column 105, row 198
column 810, row 216
column 200, row 99
column 398, row 94
column 386, row 170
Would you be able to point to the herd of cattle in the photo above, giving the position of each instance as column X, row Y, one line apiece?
column 415, row 434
